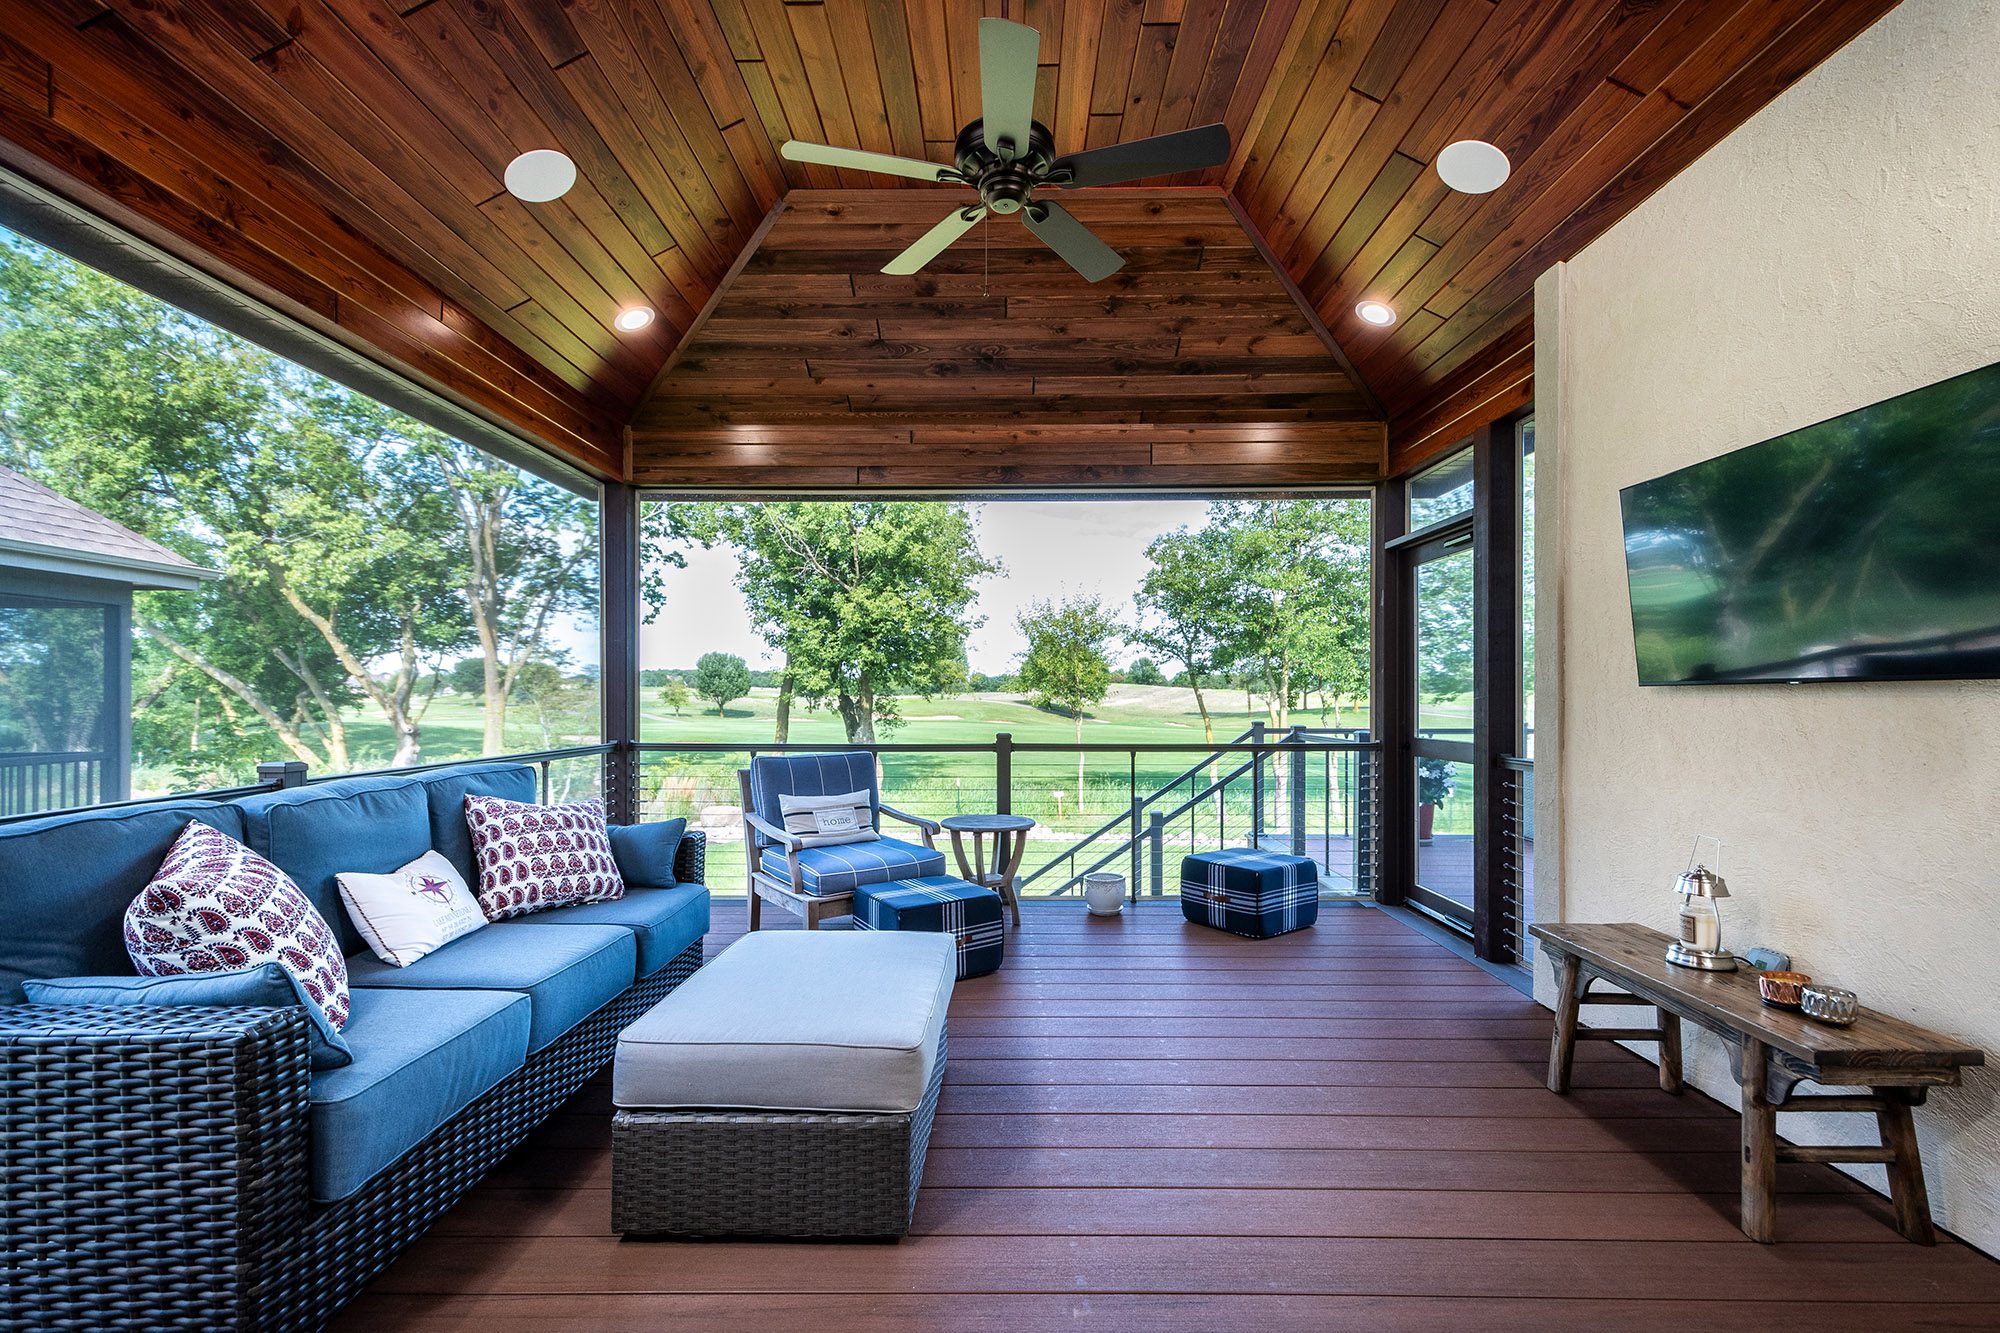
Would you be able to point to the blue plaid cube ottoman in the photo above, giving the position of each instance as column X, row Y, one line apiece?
column 1247, row 892
column 943, row 904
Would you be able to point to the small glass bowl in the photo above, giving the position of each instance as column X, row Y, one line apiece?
column 1781, row 989
column 1830, row 1005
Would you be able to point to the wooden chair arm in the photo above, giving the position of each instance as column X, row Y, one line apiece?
column 930, row 827
column 791, row 842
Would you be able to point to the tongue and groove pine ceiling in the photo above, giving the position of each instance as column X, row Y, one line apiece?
column 342, row 159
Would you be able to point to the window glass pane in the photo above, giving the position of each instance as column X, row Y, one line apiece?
column 1527, row 438
column 1442, row 492
column 55, row 705
column 1444, row 647
column 1444, row 828
column 346, row 586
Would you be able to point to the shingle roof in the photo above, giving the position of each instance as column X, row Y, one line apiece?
column 40, row 529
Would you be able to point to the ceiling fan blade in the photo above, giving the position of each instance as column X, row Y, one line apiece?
column 1161, row 155
column 798, row 150
column 1008, row 53
column 1078, row 246
column 934, row 242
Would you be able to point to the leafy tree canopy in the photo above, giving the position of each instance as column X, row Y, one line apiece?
column 721, row 678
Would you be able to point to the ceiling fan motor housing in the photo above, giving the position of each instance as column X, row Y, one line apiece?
column 1003, row 184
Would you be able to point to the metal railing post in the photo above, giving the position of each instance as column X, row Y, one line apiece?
column 1297, row 814
column 1003, row 772
column 1156, row 833
column 1132, row 886
column 1256, row 788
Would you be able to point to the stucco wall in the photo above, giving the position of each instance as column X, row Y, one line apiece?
column 1841, row 247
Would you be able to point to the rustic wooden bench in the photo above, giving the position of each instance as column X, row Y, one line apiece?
column 1771, row 1050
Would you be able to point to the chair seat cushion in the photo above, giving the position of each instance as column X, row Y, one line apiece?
column 969, row 914
column 796, row 1021
column 828, row 871
column 567, row 972
column 420, row 1057
column 1247, row 892
column 663, row 921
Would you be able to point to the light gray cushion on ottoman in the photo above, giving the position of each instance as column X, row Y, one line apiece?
column 796, row 1021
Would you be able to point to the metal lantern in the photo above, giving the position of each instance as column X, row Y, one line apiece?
column 1700, row 942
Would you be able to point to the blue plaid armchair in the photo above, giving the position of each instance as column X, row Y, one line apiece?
column 817, row 882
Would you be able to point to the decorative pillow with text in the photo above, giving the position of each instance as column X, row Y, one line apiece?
column 216, row 906
column 533, row 857
column 408, row 913
column 826, row 821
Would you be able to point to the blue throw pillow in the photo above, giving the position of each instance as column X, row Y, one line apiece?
column 645, row 852
column 266, row 986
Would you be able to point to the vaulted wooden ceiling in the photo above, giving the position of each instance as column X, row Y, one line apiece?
column 342, row 159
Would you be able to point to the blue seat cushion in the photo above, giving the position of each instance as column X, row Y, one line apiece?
column 261, row 986
column 568, row 973
column 944, row 905
column 645, row 852
column 66, row 880
column 827, row 871
column 663, row 922
column 420, row 1057
column 445, row 792
column 835, row 774
column 368, row 824
column 1247, row 892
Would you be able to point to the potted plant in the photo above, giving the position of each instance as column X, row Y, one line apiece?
column 1435, row 779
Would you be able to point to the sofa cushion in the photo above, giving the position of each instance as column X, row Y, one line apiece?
column 835, row 870
column 567, row 972
column 645, row 852
column 420, row 1057
column 753, row 1028
column 534, row 857
column 368, row 824
column 446, row 790
column 263, row 986
column 775, row 775
column 216, row 906
column 66, row 880
column 662, row 921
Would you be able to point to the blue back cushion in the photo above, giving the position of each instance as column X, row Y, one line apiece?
column 368, row 824
column 446, row 792
column 775, row 775
column 65, row 881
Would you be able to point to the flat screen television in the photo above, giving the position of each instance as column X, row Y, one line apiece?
column 1866, row 547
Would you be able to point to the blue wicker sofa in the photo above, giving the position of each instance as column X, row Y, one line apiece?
column 178, row 1167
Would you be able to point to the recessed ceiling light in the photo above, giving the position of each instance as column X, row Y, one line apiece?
column 540, row 175
column 1473, row 166
column 632, row 318
column 1376, row 313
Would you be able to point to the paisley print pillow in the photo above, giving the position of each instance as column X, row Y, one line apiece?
column 216, row 906
column 533, row 857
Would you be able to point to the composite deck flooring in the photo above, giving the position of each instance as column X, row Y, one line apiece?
column 1149, row 1125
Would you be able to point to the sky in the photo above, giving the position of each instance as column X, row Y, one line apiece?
column 1047, row 548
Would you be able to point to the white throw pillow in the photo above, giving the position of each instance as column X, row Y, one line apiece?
column 408, row 913
column 823, row 821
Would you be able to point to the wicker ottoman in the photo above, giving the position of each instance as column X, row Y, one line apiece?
column 1245, row 892
column 947, row 906
column 790, row 1093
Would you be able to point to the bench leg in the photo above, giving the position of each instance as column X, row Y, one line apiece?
column 1670, row 1053
column 1760, row 1149
column 1906, row 1170
column 1569, row 996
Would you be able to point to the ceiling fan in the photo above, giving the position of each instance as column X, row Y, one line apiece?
column 1007, row 155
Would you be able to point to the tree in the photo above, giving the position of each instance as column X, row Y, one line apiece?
column 1067, row 666
column 1144, row 671
column 467, row 676
column 867, row 600
column 1186, row 604
column 674, row 695
column 721, row 678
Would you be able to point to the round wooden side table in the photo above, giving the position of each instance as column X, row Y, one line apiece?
column 1009, row 836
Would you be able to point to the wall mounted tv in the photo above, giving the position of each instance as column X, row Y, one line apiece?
column 1866, row 547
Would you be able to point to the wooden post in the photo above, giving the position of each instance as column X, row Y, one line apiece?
column 1297, row 795
column 618, row 649
column 282, row 773
column 1569, row 996
column 1906, row 1168
column 1760, row 1148
column 1670, row 1052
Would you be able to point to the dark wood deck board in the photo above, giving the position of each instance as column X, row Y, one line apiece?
column 1148, row 1125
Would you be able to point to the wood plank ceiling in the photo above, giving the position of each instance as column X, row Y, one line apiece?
column 342, row 158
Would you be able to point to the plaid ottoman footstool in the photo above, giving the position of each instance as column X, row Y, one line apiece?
column 942, row 904
column 1245, row 892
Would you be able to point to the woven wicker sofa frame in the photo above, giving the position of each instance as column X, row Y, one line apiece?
column 156, row 1169
column 721, row 1172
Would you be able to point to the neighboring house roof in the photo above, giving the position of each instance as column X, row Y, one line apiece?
column 41, row 530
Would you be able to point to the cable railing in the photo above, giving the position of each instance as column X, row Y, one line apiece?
column 1517, row 856
column 1136, row 807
